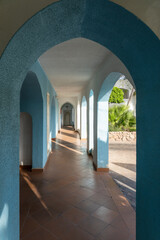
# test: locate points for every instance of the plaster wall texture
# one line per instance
(46, 87)
(139, 50)
(13, 14)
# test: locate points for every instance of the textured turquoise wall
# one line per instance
(33, 100)
(137, 47)
(46, 87)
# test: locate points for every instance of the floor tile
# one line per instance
(105, 214)
(75, 215)
(29, 226)
(70, 201)
(93, 225)
(88, 206)
(40, 234)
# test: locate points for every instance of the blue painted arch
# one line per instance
(31, 101)
(137, 47)
(102, 118)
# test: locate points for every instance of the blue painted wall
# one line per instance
(139, 49)
(33, 99)
(46, 87)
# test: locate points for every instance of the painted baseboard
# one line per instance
(100, 169)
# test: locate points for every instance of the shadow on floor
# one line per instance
(127, 186)
(128, 166)
(70, 146)
(70, 135)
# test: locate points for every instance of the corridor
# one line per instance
(69, 200)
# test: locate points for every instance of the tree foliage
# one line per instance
(121, 119)
(116, 96)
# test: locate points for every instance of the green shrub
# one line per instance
(121, 119)
(116, 96)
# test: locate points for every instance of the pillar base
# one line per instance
(100, 169)
(26, 167)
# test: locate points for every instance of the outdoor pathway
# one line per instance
(122, 165)
(70, 201)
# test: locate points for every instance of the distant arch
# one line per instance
(67, 115)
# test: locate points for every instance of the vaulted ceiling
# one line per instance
(70, 65)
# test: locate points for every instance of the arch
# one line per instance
(84, 118)
(102, 119)
(91, 121)
(68, 104)
(128, 38)
(67, 115)
(31, 101)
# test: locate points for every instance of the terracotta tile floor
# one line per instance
(70, 201)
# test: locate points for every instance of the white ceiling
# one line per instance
(70, 65)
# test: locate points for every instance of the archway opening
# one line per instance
(67, 115)
(31, 107)
(116, 144)
(31, 139)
